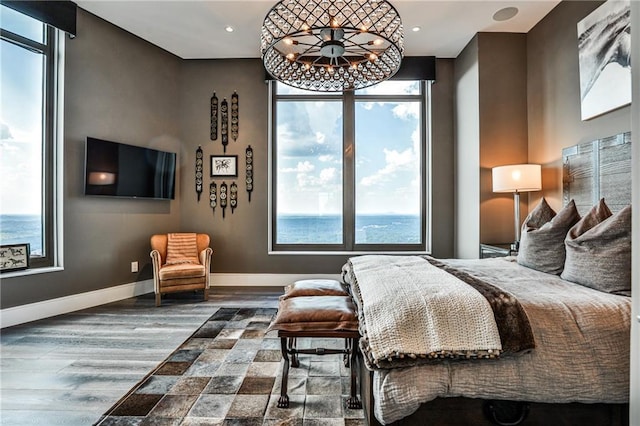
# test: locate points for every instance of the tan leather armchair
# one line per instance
(181, 275)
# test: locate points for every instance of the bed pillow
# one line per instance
(542, 240)
(600, 256)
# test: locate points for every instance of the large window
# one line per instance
(349, 169)
(27, 101)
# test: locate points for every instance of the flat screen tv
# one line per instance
(120, 170)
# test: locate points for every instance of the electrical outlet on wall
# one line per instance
(134, 266)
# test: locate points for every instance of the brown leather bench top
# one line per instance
(315, 287)
(308, 315)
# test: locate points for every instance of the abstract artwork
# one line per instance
(224, 166)
(604, 54)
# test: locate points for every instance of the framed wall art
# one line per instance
(224, 166)
(604, 56)
(14, 257)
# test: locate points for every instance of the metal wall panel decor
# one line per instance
(199, 166)
(234, 116)
(213, 197)
(224, 124)
(233, 196)
(214, 117)
(249, 170)
(223, 197)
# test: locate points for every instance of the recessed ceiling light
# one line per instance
(228, 29)
(415, 29)
(505, 14)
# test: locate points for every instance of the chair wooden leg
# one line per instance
(206, 294)
(158, 295)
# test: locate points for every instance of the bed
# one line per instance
(571, 366)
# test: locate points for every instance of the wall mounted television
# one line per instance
(121, 170)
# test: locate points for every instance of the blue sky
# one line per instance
(387, 157)
(20, 119)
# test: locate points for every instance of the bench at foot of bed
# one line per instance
(317, 317)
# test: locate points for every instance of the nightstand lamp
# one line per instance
(517, 178)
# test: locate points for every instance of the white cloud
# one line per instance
(327, 158)
(328, 175)
(394, 161)
(407, 110)
(320, 137)
(301, 167)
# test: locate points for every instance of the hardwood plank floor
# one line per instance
(70, 369)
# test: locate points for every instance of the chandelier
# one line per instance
(332, 45)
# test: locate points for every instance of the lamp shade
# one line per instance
(517, 178)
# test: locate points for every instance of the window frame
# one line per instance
(349, 100)
(50, 49)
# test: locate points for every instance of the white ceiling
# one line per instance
(196, 29)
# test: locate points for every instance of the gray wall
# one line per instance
(491, 130)
(117, 87)
(467, 152)
(442, 160)
(240, 240)
(553, 96)
(503, 127)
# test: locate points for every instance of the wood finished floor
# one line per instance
(70, 369)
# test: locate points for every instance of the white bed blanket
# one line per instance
(413, 308)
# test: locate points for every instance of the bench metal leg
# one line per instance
(353, 402)
(295, 362)
(283, 402)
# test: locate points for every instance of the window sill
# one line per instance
(34, 271)
(342, 253)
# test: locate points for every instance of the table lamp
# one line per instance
(517, 178)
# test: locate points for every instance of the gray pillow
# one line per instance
(600, 256)
(543, 234)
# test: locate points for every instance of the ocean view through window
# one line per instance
(349, 169)
(27, 102)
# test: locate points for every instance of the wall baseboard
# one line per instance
(62, 305)
(262, 280)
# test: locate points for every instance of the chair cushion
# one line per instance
(181, 270)
(315, 287)
(182, 248)
(316, 313)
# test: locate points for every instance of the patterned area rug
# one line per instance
(228, 373)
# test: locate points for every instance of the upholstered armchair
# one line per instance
(181, 262)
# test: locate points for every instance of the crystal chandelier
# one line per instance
(332, 45)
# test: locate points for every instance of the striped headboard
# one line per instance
(598, 169)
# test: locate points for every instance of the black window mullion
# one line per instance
(349, 100)
(349, 170)
(48, 152)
